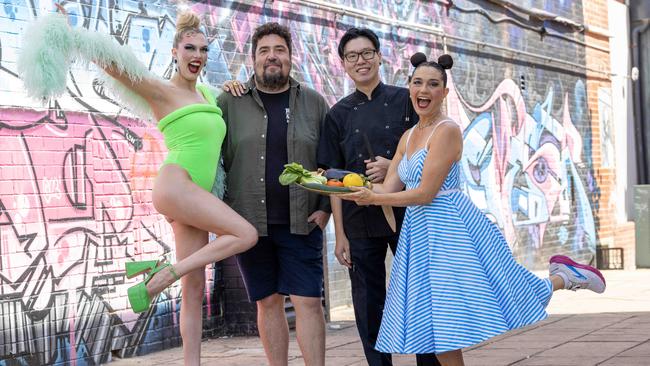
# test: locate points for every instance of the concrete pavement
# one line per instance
(584, 329)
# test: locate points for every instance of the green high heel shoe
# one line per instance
(135, 268)
(139, 297)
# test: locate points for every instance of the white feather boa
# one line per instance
(49, 47)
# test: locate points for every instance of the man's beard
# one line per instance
(272, 81)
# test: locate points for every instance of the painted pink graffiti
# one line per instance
(68, 200)
(544, 149)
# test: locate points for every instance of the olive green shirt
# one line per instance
(244, 150)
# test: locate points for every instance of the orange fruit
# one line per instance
(334, 183)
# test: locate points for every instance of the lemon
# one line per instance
(352, 180)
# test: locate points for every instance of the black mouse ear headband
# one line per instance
(445, 61)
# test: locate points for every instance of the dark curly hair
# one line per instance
(268, 29)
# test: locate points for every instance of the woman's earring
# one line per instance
(176, 65)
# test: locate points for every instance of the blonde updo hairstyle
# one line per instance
(187, 22)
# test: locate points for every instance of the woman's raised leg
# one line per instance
(178, 198)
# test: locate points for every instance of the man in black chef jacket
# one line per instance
(371, 120)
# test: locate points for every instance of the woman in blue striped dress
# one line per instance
(454, 282)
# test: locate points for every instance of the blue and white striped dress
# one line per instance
(454, 282)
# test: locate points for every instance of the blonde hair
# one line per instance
(187, 22)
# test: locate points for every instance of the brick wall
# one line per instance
(611, 233)
(76, 175)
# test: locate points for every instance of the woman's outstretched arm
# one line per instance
(49, 47)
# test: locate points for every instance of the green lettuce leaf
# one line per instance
(288, 177)
(313, 179)
(295, 173)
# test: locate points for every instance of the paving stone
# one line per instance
(588, 349)
(494, 357)
(641, 350)
(627, 361)
(560, 361)
(618, 334)
(238, 361)
(586, 322)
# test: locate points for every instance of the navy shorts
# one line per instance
(283, 263)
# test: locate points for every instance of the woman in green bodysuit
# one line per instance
(193, 129)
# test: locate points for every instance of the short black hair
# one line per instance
(353, 33)
(268, 29)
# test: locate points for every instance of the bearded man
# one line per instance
(277, 120)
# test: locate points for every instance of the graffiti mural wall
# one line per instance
(76, 173)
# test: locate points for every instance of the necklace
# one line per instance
(422, 126)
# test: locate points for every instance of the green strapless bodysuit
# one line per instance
(193, 136)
